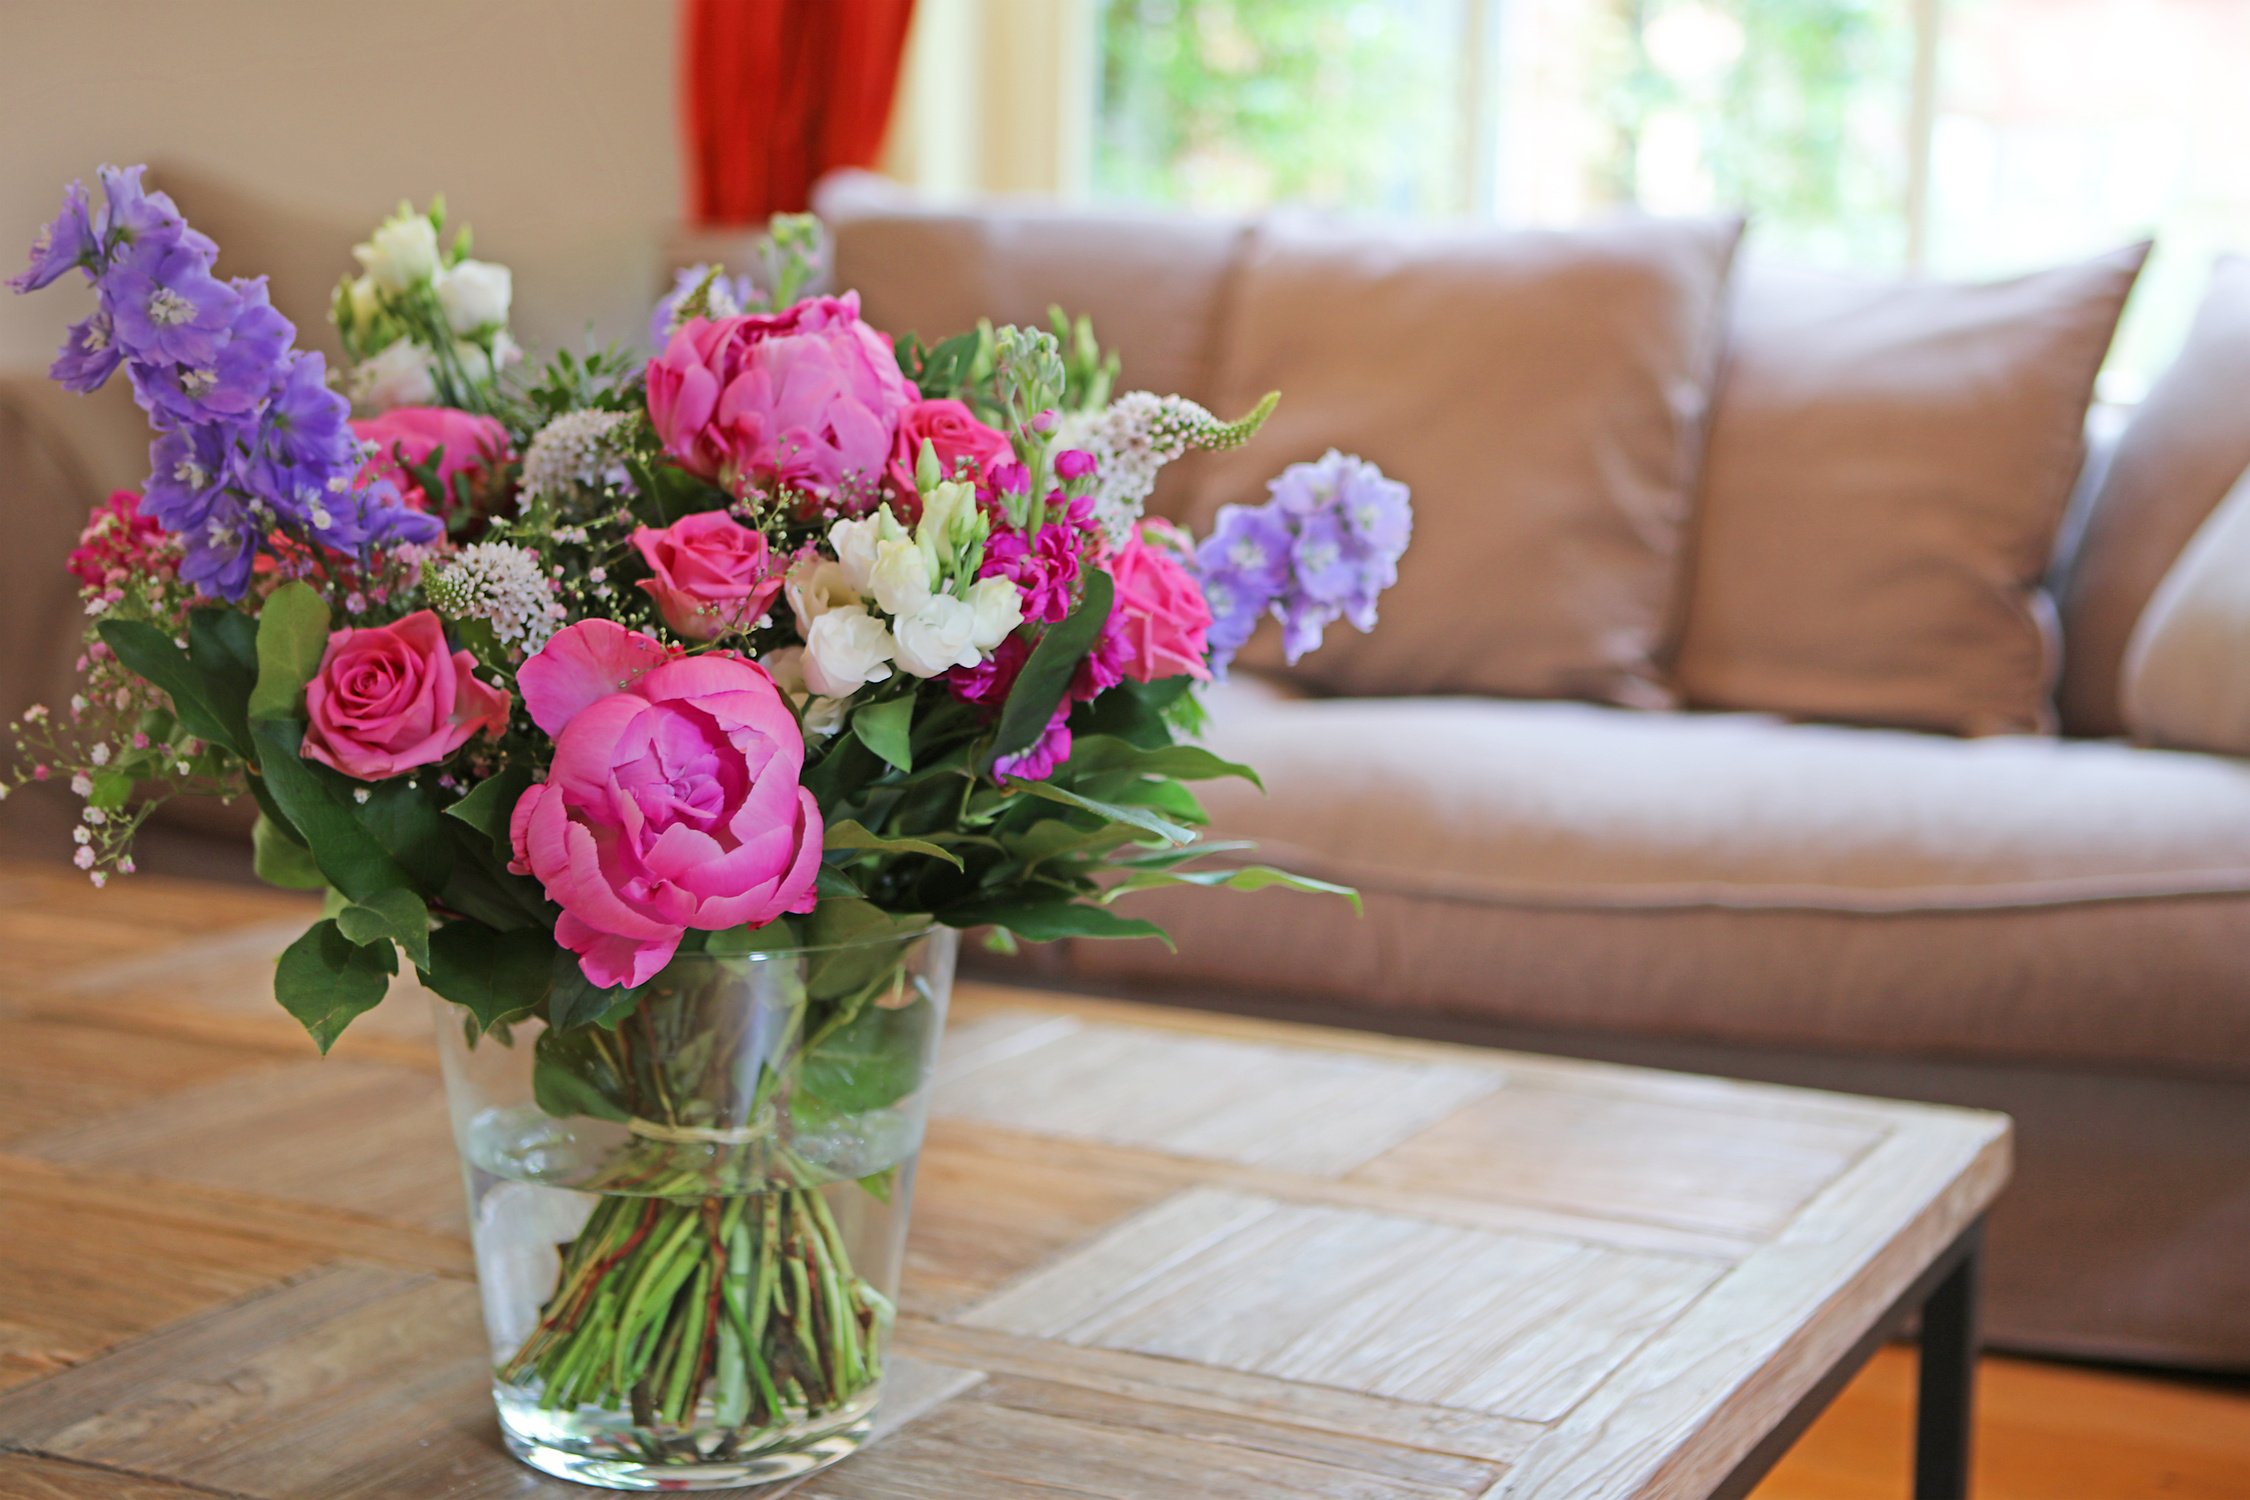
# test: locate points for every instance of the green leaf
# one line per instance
(1047, 671)
(1185, 762)
(1115, 812)
(1041, 919)
(887, 729)
(498, 976)
(112, 789)
(849, 834)
(575, 1001)
(292, 634)
(491, 803)
(223, 645)
(736, 942)
(352, 858)
(570, 1076)
(325, 979)
(872, 1061)
(393, 915)
(857, 945)
(280, 860)
(149, 653)
(1239, 878)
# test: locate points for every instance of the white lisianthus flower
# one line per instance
(399, 376)
(366, 301)
(814, 587)
(997, 606)
(900, 578)
(846, 649)
(939, 636)
(474, 294)
(949, 522)
(402, 252)
(853, 542)
(480, 366)
(820, 717)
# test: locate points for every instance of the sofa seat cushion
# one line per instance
(1733, 876)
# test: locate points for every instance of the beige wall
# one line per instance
(548, 124)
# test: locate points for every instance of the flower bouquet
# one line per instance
(668, 715)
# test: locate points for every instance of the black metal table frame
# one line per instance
(1945, 1295)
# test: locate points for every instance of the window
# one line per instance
(1961, 137)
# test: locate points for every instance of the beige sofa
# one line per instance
(2056, 927)
(2051, 926)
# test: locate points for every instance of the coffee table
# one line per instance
(1155, 1253)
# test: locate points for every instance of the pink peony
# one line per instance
(410, 434)
(1160, 610)
(808, 399)
(673, 801)
(710, 574)
(960, 440)
(390, 697)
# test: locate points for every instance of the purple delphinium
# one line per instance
(729, 295)
(250, 439)
(1322, 549)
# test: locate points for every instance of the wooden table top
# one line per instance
(1154, 1253)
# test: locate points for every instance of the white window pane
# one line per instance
(1231, 104)
(2067, 127)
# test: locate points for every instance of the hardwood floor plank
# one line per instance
(2044, 1432)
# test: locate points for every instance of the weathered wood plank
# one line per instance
(365, 1137)
(1287, 1108)
(1022, 1440)
(23, 1477)
(1142, 1377)
(1674, 1421)
(1509, 1325)
(1697, 1166)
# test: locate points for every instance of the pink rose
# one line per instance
(710, 574)
(406, 435)
(673, 801)
(390, 697)
(957, 436)
(1160, 611)
(808, 399)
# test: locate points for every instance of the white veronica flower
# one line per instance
(577, 450)
(501, 584)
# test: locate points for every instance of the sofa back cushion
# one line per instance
(1543, 393)
(2182, 685)
(2187, 443)
(1889, 463)
(1150, 282)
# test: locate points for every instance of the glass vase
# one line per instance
(689, 1225)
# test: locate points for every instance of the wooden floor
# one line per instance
(2047, 1432)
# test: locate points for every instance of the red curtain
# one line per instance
(776, 92)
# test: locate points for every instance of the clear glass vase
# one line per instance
(689, 1227)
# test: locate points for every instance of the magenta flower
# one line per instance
(391, 697)
(807, 399)
(708, 574)
(673, 801)
(962, 443)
